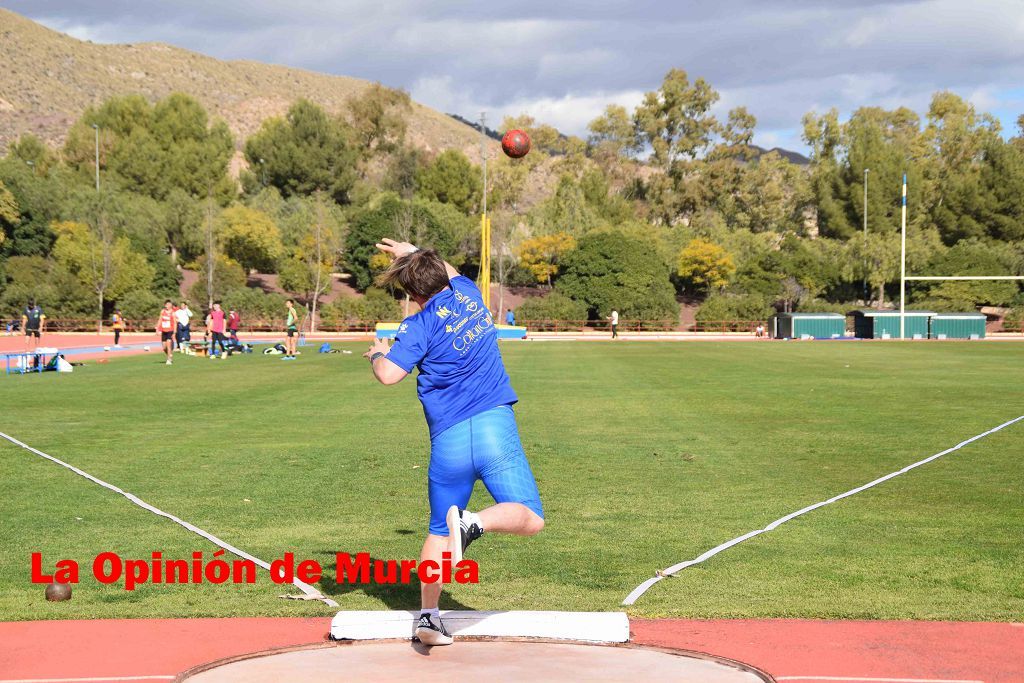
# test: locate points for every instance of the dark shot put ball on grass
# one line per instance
(56, 592)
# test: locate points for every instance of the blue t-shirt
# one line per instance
(454, 344)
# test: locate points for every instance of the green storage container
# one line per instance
(957, 326)
(869, 323)
(817, 325)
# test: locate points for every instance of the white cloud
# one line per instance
(563, 62)
(983, 99)
(769, 139)
(569, 113)
(82, 32)
(864, 31)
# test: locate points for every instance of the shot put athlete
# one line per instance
(467, 399)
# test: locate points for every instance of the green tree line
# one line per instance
(661, 204)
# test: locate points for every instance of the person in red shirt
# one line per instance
(165, 326)
(234, 320)
(215, 324)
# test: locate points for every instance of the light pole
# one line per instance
(263, 172)
(865, 236)
(96, 130)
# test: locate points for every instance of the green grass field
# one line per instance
(646, 454)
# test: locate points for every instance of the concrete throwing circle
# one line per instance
(475, 661)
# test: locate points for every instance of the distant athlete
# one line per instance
(33, 321)
(183, 333)
(165, 326)
(117, 321)
(291, 329)
(234, 321)
(467, 399)
(215, 326)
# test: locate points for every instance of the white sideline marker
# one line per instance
(597, 627)
(674, 569)
(309, 592)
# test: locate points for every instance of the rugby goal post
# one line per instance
(903, 264)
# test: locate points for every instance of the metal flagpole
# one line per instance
(903, 255)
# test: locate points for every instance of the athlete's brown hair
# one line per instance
(421, 274)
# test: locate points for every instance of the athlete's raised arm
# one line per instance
(400, 249)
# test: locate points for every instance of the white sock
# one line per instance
(474, 518)
(434, 612)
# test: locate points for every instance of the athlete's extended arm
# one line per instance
(399, 249)
(384, 370)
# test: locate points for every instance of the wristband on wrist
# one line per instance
(379, 354)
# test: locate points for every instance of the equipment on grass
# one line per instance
(275, 350)
(40, 360)
(58, 592)
(234, 346)
(515, 143)
(326, 348)
(302, 326)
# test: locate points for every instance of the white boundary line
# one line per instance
(860, 679)
(964, 277)
(664, 573)
(311, 592)
(86, 680)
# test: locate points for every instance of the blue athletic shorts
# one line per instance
(485, 446)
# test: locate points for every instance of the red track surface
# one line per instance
(10, 344)
(926, 650)
(853, 651)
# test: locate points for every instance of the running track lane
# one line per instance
(796, 649)
(789, 649)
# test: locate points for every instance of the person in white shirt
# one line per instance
(183, 334)
(615, 324)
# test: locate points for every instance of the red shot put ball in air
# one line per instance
(515, 143)
(56, 592)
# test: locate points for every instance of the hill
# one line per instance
(49, 78)
(790, 156)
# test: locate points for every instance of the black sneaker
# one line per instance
(463, 529)
(430, 633)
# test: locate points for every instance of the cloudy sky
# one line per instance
(562, 61)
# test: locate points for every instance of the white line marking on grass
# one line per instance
(858, 679)
(664, 573)
(308, 590)
(85, 680)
